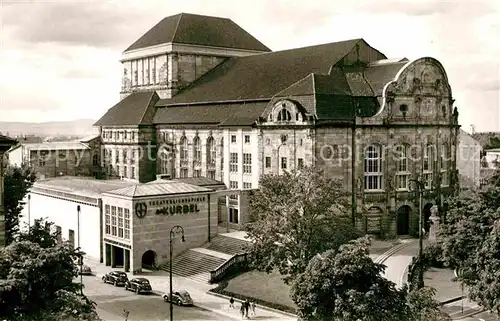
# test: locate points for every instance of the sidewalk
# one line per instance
(160, 283)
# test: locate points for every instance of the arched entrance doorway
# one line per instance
(426, 215)
(148, 259)
(403, 220)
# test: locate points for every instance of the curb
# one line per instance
(466, 314)
(452, 300)
(257, 305)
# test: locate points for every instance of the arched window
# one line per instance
(402, 178)
(373, 168)
(211, 150)
(429, 160)
(284, 115)
(184, 149)
(197, 149)
(95, 160)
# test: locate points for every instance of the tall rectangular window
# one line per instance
(233, 185)
(300, 163)
(373, 168)
(247, 163)
(107, 213)
(247, 139)
(59, 234)
(211, 174)
(114, 225)
(233, 139)
(428, 165)
(247, 185)
(444, 165)
(402, 168)
(197, 173)
(126, 218)
(120, 222)
(268, 162)
(283, 162)
(233, 215)
(233, 162)
(132, 172)
(184, 173)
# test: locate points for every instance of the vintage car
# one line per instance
(179, 297)
(85, 270)
(138, 285)
(116, 278)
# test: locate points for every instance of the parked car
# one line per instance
(138, 285)
(86, 270)
(179, 298)
(116, 278)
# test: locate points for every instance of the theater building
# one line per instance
(228, 108)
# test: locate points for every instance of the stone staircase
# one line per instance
(227, 245)
(197, 263)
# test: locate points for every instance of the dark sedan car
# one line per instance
(179, 297)
(139, 285)
(116, 278)
(85, 270)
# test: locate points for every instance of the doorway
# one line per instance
(403, 220)
(148, 259)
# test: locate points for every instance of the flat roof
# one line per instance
(86, 186)
(161, 188)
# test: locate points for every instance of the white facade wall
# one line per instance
(63, 213)
(16, 156)
(468, 161)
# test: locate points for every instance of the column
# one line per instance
(113, 259)
(126, 260)
(107, 255)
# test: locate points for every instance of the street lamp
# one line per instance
(79, 249)
(420, 188)
(29, 214)
(174, 230)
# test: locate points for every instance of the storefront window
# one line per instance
(120, 222)
(113, 221)
(127, 223)
(108, 219)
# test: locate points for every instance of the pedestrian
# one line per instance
(242, 310)
(253, 307)
(231, 302)
(247, 306)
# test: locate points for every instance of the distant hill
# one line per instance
(80, 127)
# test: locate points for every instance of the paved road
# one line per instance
(111, 301)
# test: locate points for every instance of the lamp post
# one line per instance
(174, 230)
(29, 214)
(79, 249)
(420, 188)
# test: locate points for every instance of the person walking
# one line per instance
(247, 306)
(252, 305)
(242, 310)
(231, 302)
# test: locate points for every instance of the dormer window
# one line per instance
(284, 115)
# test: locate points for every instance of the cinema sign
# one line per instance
(178, 206)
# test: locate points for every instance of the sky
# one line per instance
(59, 60)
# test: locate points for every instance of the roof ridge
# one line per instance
(177, 27)
(294, 84)
(147, 107)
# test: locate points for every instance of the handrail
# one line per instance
(221, 270)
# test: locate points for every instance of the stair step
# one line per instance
(227, 245)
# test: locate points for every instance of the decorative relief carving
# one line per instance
(163, 74)
(391, 133)
(359, 132)
(419, 134)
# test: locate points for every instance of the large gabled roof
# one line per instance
(193, 29)
(135, 109)
(263, 75)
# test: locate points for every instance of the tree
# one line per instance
(470, 243)
(17, 182)
(295, 216)
(347, 285)
(36, 281)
